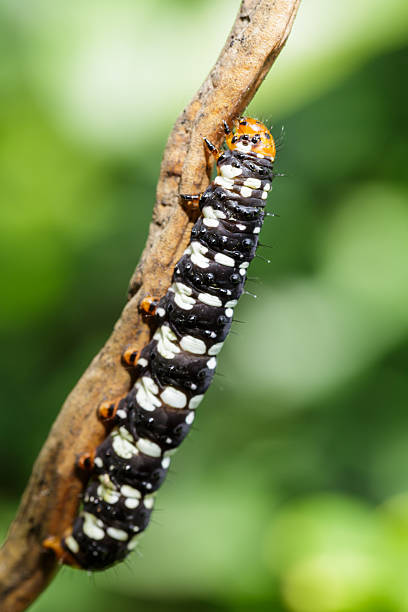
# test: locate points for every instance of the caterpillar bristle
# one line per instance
(268, 261)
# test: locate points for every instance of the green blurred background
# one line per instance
(291, 495)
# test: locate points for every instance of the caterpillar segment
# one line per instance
(176, 368)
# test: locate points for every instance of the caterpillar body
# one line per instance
(176, 368)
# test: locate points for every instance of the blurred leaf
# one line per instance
(206, 542)
(366, 250)
(306, 339)
(328, 41)
(329, 553)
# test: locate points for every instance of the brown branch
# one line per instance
(50, 501)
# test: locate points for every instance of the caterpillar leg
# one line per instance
(63, 556)
(226, 128)
(212, 148)
(108, 410)
(131, 356)
(85, 461)
(191, 202)
(149, 305)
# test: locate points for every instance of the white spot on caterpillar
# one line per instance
(215, 349)
(260, 155)
(193, 386)
(212, 363)
(142, 361)
(242, 146)
(245, 264)
(122, 443)
(225, 260)
(121, 414)
(117, 534)
(211, 222)
(148, 501)
(148, 447)
(106, 481)
(108, 495)
(72, 544)
(241, 227)
(166, 345)
(229, 171)
(129, 491)
(98, 462)
(160, 313)
(196, 250)
(231, 304)
(253, 182)
(193, 345)
(146, 395)
(211, 213)
(226, 183)
(183, 297)
(133, 543)
(92, 527)
(107, 491)
(264, 195)
(173, 397)
(210, 300)
(257, 230)
(246, 192)
(229, 312)
(267, 186)
(190, 418)
(165, 462)
(195, 401)
(242, 271)
(212, 335)
(131, 503)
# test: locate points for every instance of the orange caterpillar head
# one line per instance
(251, 136)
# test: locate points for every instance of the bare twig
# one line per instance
(50, 501)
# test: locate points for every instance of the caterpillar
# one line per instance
(175, 369)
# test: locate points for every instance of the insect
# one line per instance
(175, 369)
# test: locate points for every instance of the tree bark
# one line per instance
(51, 499)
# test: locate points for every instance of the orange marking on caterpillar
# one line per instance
(85, 461)
(191, 202)
(131, 356)
(107, 410)
(54, 543)
(149, 305)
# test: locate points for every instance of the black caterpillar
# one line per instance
(176, 368)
